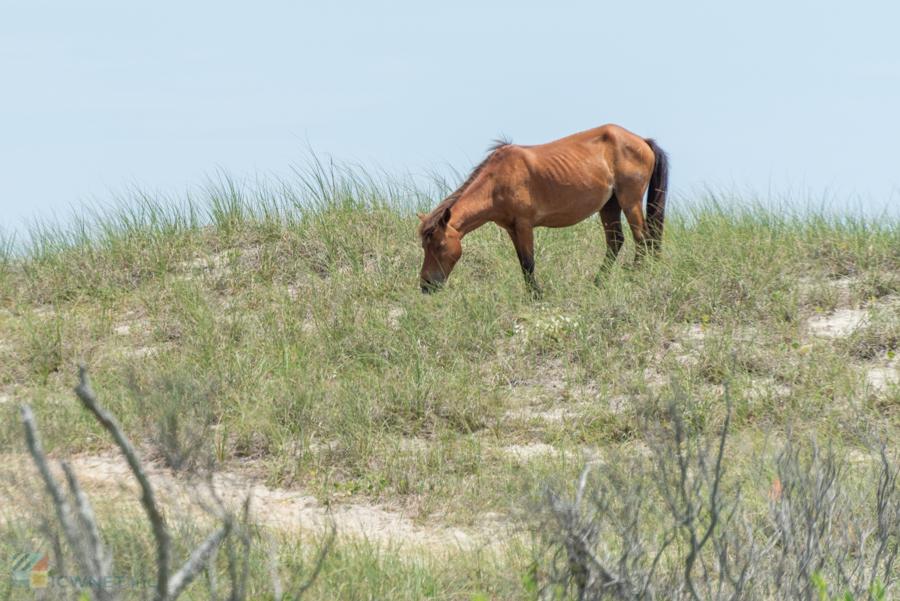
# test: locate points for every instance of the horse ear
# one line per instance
(445, 218)
(421, 216)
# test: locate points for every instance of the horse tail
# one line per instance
(656, 195)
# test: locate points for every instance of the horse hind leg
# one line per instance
(630, 200)
(611, 218)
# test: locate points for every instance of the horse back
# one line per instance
(563, 182)
(606, 153)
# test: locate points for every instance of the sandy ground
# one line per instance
(838, 324)
(107, 480)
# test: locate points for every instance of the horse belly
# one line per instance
(567, 186)
(566, 212)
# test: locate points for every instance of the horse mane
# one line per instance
(431, 222)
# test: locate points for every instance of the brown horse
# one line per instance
(559, 184)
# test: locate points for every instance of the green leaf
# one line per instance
(878, 591)
(819, 583)
(529, 580)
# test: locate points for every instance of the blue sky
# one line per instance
(783, 96)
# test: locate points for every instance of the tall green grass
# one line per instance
(280, 321)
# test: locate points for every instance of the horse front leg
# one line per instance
(522, 237)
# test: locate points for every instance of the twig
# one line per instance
(273, 570)
(100, 562)
(148, 498)
(319, 563)
(196, 562)
(84, 537)
(60, 502)
(241, 591)
(211, 574)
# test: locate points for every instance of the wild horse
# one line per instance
(559, 184)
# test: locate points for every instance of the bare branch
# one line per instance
(81, 530)
(60, 501)
(319, 563)
(581, 484)
(211, 574)
(196, 563)
(148, 498)
(100, 563)
(278, 593)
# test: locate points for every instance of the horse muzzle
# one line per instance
(429, 286)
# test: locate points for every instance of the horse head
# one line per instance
(443, 248)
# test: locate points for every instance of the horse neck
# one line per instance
(473, 209)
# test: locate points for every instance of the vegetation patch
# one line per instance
(276, 331)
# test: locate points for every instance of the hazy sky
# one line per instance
(96, 96)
